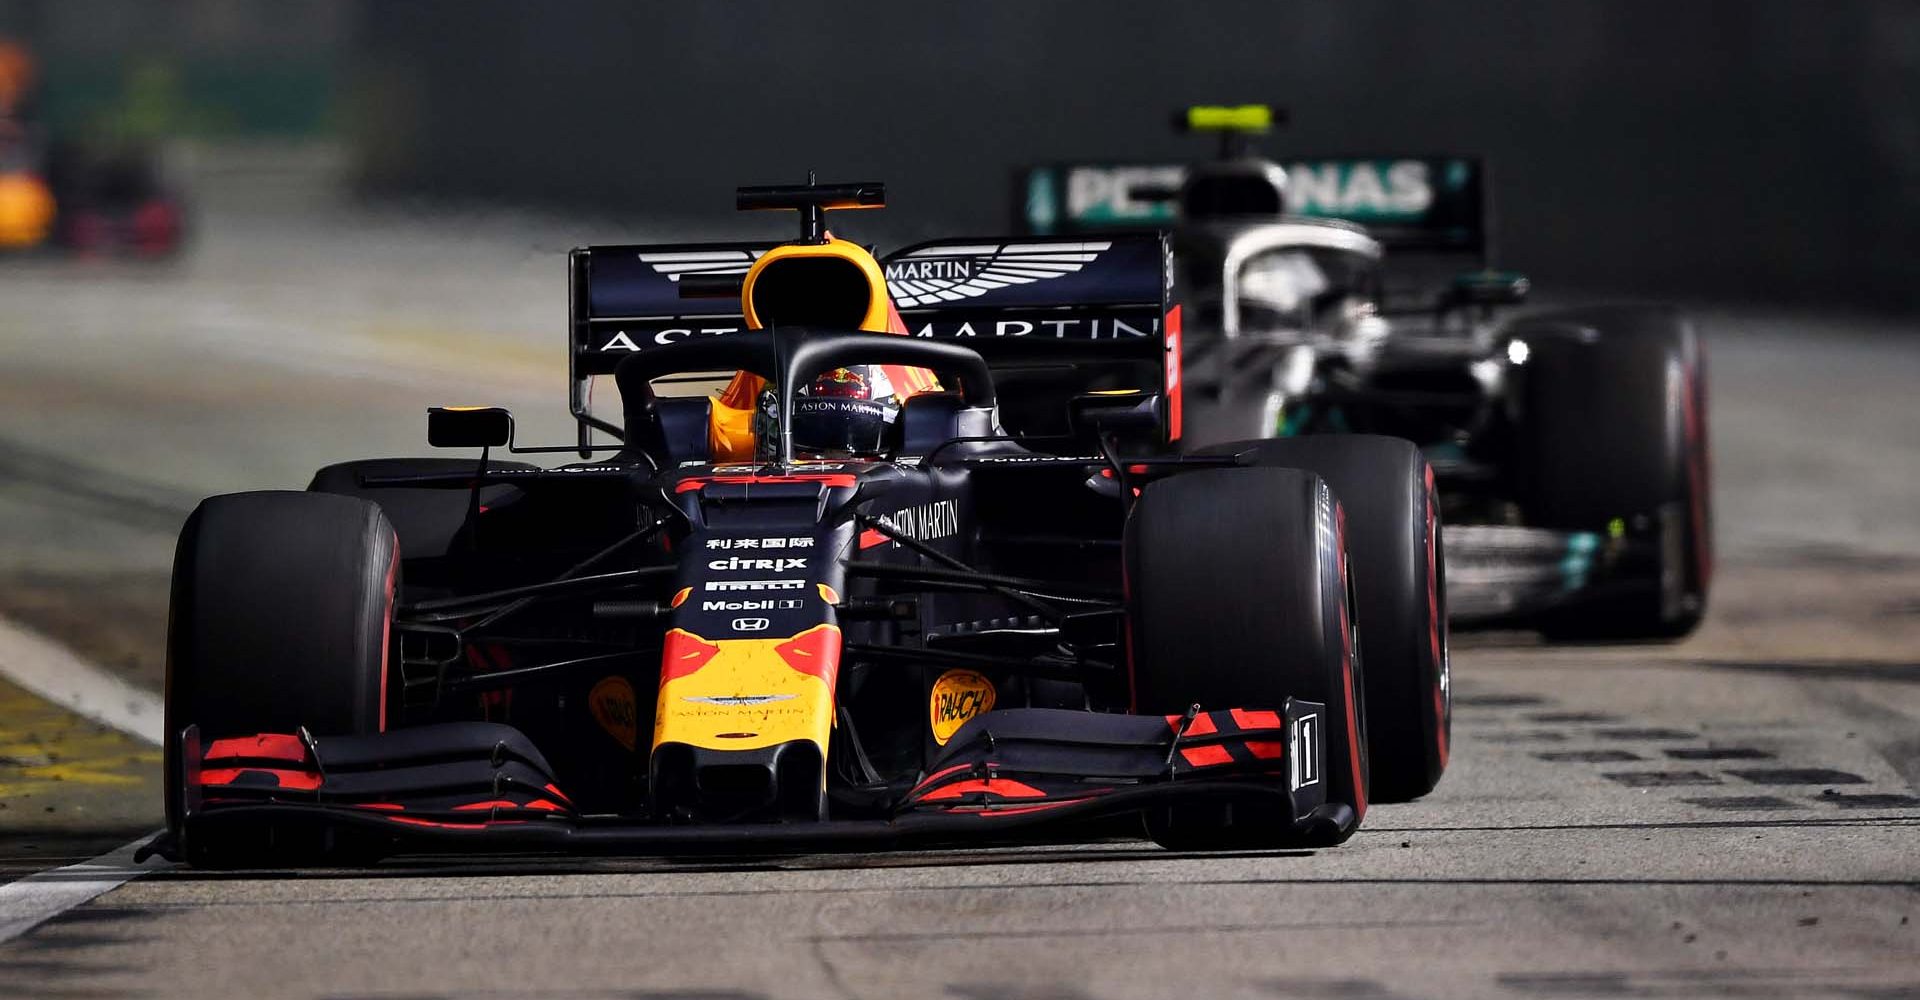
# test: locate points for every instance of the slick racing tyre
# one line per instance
(427, 520)
(282, 608)
(1613, 432)
(1399, 581)
(1237, 598)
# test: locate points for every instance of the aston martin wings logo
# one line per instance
(953, 273)
(738, 699)
(675, 263)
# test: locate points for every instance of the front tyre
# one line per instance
(1393, 526)
(281, 612)
(1237, 598)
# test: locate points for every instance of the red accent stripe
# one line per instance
(1005, 788)
(872, 538)
(815, 651)
(301, 781)
(1266, 749)
(683, 653)
(1346, 666)
(540, 804)
(269, 746)
(829, 478)
(1173, 374)
(386, 635)
(1208, 756)
(1251, 719)
(1202, 725)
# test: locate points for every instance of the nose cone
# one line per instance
(749, 667)
(742, 725)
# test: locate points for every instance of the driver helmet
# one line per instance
(843, 413)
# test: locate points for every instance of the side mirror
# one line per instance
(1122, 412)
(1489, 288)
(469, 427)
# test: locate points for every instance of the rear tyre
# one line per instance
(428, 521)
(1394, 538)
(281, 612)
(1237, 598)
(1614, 431)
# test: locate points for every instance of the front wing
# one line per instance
(470, 787)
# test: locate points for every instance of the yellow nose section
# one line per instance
(744, 694)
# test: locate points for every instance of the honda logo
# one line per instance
(750, 624)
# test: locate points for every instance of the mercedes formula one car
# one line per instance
(885, 590)
(1569, 446)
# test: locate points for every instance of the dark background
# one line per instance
(1745, 148)
(1766, 149)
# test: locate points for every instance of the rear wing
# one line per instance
(1053, 316)
(1069, 314)
(1435, 203)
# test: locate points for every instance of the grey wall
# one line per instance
(1765, 148)
(203, 68)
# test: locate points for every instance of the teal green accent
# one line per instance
(1579, 560)
(1292, 424)
(1043, 209)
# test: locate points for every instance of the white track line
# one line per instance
(53, 672)
(29, 902)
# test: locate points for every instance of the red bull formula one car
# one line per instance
(1001, 604)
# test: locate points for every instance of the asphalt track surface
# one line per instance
(1737, 815)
